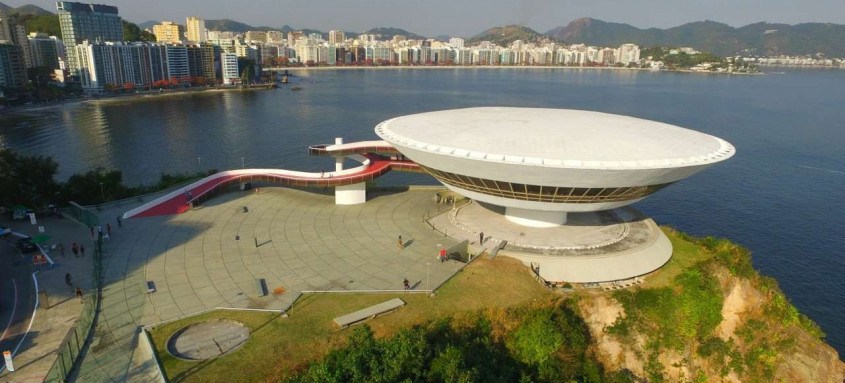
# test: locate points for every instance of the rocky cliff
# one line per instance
(717, 320)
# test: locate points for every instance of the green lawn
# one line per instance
(684, 255)
(279, 345)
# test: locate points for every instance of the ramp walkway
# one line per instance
(376, 158)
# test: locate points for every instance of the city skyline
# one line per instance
(438, 17)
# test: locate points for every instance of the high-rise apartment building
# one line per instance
(177, 63)
(456, 42)
(12, 68)
(14, 32)
(201, 62)
(168, 32)
(45, 52)
(229, 68)
(92, 22)
(336, 36)
(293, 37)
(275, 36)
(256, 36)
(195, 30)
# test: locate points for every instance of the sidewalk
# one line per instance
(56, 316)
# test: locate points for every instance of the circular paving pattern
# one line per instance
(207, 340)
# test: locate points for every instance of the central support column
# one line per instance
(535, 218)
(347, 194)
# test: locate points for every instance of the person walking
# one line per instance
(75, 249)
(407, 284)
(61, 250)
(442, 255)
(119, 222)
(79, 294)
(481, 238)
(108, 229)
(81, 250)
(400, 245)
(69, 280)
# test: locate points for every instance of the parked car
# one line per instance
(26, 246)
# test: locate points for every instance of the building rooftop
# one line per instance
(554, 138)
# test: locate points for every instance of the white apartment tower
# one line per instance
(456, 42)
(195, 29)
(229, 68)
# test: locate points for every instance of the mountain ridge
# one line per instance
(761, 38)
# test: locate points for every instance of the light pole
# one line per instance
(102, 192)
(427, 274)
(199, 162)
(242, 163)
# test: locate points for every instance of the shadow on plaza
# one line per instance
(10, 343)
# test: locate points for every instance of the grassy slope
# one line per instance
(279, 345)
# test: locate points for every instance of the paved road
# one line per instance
(17, 296)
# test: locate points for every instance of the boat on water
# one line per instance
(296, 88)
(284, 79)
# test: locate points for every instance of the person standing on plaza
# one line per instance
(79, 294)
(407, 284)
(75, 249)
(481, 238)
(442, 255)
(61, 250)
(69, 280)
(400, 245)
(108, 229)
(119, 222)
(81, 250)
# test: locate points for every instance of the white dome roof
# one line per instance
(554, 138)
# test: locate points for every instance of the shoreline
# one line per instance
(130, 97)
(519, 67)
(178, 92)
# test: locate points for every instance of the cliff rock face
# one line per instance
(752, 342)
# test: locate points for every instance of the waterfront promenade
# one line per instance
(37, 338)
(207, 258)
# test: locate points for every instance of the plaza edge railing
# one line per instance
(79, 336)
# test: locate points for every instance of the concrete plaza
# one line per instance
(212, 256)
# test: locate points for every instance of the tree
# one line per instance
(247, 68)
(48, 24)
(86, 188)
(131, 32)
(27, 180)
(129, 87)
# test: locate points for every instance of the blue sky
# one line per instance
(468, 17)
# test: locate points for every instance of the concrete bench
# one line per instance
(496, 249)
(369, 312)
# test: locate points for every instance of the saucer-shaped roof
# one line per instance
(554, 138)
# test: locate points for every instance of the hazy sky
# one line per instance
(468, 17)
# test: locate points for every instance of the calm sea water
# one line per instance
(781, 195)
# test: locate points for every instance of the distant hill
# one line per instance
(24, 10)
(388, 33)
(756, 39)
(232, 25)
(504, 36)
(29, 9)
